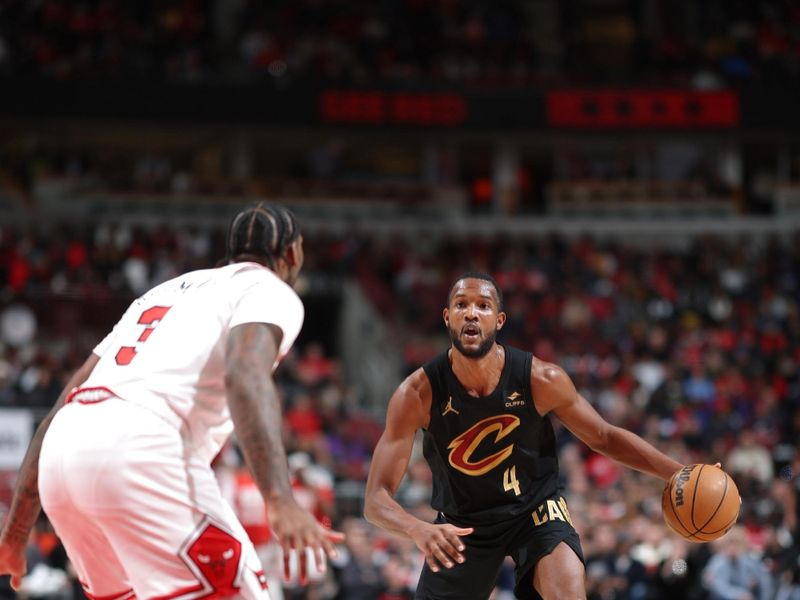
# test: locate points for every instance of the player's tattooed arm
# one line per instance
(25, 505)
(253, 401)
(255, 407)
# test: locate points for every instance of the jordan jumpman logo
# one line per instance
(449, 407)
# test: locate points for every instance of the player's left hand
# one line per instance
(296, 530)
(13, 562)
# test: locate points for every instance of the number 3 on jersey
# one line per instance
(510, 481)
(150, 318)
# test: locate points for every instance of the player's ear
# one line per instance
(294, 253)
(446, 316)
(501, 320)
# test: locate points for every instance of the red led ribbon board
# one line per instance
(365, 107)
(626, 109)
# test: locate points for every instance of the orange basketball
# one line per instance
(700, 503)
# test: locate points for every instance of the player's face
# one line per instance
(473, 318)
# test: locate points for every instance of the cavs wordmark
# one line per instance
(551, 511)
(463, 447)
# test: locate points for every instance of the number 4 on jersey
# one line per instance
(150, 318)
(510, 481)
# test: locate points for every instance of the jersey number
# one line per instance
(149, 318)
(510, 481)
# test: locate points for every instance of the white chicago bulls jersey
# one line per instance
(167, 352)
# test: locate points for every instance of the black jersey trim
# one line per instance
(529, 387)
(434, 370)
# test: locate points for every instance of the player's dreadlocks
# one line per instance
(261, 232)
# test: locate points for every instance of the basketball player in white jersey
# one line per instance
(121, 465)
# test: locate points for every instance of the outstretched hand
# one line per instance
(296, 530)
(441, 544)
(13, 562)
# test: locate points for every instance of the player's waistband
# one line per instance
(98, 394)
(90, 395)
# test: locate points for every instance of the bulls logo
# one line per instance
(463, 447)
(216, 564)
(214, 555)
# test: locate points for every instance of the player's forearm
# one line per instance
(382, 510)
(25, 505)
(255, 410)
(632, 451)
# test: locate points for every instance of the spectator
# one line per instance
(735, 572)
(750, 459)
(357, 572)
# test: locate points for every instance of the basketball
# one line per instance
(700, 503)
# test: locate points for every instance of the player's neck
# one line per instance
(479, 376)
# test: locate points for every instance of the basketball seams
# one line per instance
(725, 528)
(674, 512)
(694, 496)
(716, 510)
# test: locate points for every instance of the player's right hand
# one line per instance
(441, 544)
(296, 530)
(13, 562)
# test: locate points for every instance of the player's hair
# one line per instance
(477, 275)
(261, 232)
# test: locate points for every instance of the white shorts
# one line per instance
(138, 515)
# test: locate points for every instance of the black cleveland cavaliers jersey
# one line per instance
(493, 458)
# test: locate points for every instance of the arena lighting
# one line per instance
(377, 107)
(622, 109)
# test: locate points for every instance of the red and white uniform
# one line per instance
(124, 472)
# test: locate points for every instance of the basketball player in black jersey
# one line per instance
(483, 409)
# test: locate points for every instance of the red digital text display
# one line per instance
(367, 107)
(624, 109)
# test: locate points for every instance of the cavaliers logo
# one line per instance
(462, 447)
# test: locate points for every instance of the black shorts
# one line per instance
(525, 539)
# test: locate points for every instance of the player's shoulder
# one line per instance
(250, 271)
(177, 285)
(246, 275)
(412, 399)
(416, 385)
(549, 379)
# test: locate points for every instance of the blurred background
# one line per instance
(628, 170)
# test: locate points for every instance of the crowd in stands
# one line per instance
(695, 346)
(510, 42)
(326, 167)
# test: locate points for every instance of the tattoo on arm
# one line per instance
(255, 406)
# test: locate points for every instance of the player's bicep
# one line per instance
(584, 421)
(557, 393)
(250, 352)
(252, 345)
(404, 416)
